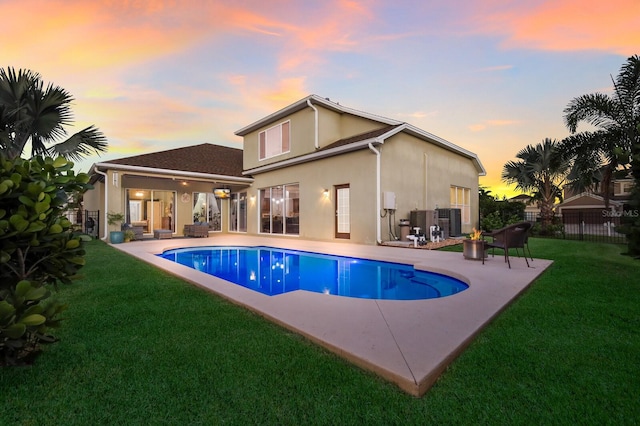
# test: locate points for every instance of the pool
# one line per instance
(274, 271)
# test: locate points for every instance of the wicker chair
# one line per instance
(512, 236)
(196, 230)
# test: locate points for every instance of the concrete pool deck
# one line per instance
(409, 343)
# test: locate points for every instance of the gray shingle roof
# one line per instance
(203, 158)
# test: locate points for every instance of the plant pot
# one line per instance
(116, 237)
(473, 249)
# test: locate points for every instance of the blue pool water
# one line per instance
(275, 271)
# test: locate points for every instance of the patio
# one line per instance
(409, 343)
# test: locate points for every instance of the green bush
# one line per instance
(38, 249)
(492, 221)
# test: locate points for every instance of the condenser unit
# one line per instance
(451, 221)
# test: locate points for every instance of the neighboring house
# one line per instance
(587, 213)
(592, 202)
(315, 170)
(531, 209)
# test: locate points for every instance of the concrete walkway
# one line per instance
(409, 343)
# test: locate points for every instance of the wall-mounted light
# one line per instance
(325, 193)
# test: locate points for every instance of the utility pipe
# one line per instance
(377, 153)
(106, 200)
(315, 113)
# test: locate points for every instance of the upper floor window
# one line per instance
(622, 187)
(275, 140)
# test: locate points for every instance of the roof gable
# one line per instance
(304, 103)
(389, 128)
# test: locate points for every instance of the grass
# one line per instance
(142, 347)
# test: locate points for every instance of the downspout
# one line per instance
(106, 198)
(377, 153)
(315, 113)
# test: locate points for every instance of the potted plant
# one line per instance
(129, 235)
(473, 247)
(115, 237)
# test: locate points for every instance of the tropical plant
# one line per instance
(38, 249)
(615, 146)
(129, 235)
(541, 171)
(115, 218)
(35, 114)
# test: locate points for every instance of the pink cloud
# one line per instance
(565, 25)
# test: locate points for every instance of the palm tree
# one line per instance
(616, 143)
(541, 171)
(599, 155)
(31, 112)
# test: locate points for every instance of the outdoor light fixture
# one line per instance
(325, 193)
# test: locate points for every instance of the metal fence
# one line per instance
(84, 220)
(594, 226)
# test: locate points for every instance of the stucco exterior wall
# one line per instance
(332, 127)
(421, 175)
(317, 213)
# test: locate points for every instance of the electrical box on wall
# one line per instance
(389, 200)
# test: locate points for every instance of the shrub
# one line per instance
(492, 221)
(38, 249)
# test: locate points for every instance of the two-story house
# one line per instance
(314, 169)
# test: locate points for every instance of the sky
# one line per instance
(491, 76)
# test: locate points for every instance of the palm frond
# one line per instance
(596, 109)
(86, 142)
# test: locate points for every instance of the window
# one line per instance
(622, 187)
(274, 141)
(279, 209)
(206, 209)
(238, 212)
(150, 209)
(461, 199)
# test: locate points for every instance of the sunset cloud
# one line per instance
(157, 74)
(566, 25)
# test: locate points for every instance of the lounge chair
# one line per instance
(510, 237)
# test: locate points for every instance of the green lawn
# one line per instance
(143, 347)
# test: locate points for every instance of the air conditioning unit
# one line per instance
(451, 221)
(423, 219)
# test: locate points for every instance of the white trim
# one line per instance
(402, 126)
(314, 156)
(301, 104)
(171, 173)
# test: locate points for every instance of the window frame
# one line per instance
(465, 208)
(279, 211)
(284, 143)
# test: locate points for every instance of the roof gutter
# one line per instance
(169, 172)
(315, 119)
(355, 146)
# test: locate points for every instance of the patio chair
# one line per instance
(510, 237)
